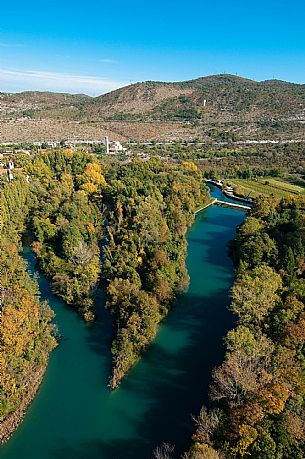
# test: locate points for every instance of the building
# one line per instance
(113, 147)
(116, 147)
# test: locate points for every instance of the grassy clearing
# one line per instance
(283, 185)
(256, 188)
(243, 188)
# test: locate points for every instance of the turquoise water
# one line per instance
(216, 192)
(76, 416)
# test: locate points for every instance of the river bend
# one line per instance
(76, 416)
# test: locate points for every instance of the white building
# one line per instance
(116, 147)
(113, 147)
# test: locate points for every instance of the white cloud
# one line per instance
(13, 80)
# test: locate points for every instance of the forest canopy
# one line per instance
(150, 207)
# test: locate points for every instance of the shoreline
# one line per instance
(237, 197)
(229, 194)
(12, 422)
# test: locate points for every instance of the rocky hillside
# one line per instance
(227, 98)
(223, 102)
(34, 103)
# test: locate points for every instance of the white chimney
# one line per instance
(106, 143)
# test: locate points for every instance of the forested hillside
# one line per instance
(227, 97)
(258, 393)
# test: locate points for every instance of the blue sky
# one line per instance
(95, 46)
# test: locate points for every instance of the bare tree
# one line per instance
(82, 254)
(164, 452)
(206, 424)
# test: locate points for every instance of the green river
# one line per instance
(76, 416)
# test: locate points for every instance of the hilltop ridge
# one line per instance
(223, 100)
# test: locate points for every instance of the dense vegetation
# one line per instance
(87, 221)
(26, 332)
(231, 159)
(258, 393)
(140, 213)
(151, 207)
(67, 223)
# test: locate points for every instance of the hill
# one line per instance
(225, 102)
(227, 98)
(35, 101)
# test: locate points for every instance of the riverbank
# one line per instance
(10, 424)
(268, 302)
(230, 194)
(237, 197)
(75, 415)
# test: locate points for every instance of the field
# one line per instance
(267, 186)
(283, 185)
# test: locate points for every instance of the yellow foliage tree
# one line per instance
(93, 174)
(189, 165)
(248, 436)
